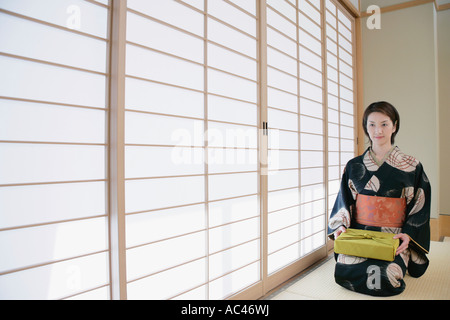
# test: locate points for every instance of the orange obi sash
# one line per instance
(380, 211)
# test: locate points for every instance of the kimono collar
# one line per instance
(379, 163)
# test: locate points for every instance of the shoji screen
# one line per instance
(296, 198)
(53, 184)
(162, 113)
(340, 71)
(191, 189)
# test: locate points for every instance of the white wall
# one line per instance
(443, 36)
(399, 66)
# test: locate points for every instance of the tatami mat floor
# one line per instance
(319, 284)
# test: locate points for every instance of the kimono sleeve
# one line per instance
(343, 207)
(417, 223)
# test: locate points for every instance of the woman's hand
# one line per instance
(404, 242)
(339, 231)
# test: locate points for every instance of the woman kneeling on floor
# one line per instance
(388, 191)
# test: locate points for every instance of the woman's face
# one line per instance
(380, 128)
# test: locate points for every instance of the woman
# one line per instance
(383, 190)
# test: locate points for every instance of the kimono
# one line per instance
(399, 176)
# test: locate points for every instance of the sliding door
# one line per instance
(191, 161)
(135, 159)
(53, 150)
(340, 95)
(296, 189)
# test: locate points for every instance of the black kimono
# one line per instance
(399, 176)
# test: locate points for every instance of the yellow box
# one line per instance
(367, 244)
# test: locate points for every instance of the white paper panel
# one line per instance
(281, 61)
(163, 161)
(281, 42)
(223, 186)
(198, 293)
(50, 202)
(283, 179)
(37, 41)
(333, 158)
(280, 23)
(171, 12)
(164, 38)
(148, 194)
(102, 293)
(165, 99)
(283, 238)
(283, 218)
(226, 211)
(283, 159)
(157, 225)
(347, 145)
(232, 15)
(145, 260)
(311, 226)
(38, 81)
(311, 125)
(283, 199)
(310, 26)
(230, 110)
(343, 30)
(232, 259)
(312, 193)
(280, 139)
(231, 135)
(73, 14)
(311, 108)
(347, 132)
(312, 176)
(234, 282)
(26, 163)
(311, 159)
(311, 142)
(310, 91)
(231, 86)
(284, 8)
(162, 130)
(156, 66)
(310, 42)
(333, 144)
(51, 243)
(233, 234)
(222, 160)
(333, 173)
(312, 243)
(283, 257)
(312, 209)
(231, 38)
(281, 80)
(282, 119)
(232, 62)
(57, 280)
(310, 11)
(310, 74)
(168, 283)
(282, 100)
(24, 121)
(249, 6)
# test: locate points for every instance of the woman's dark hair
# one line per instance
(387, 109)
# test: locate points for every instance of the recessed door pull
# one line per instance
(265, 128)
